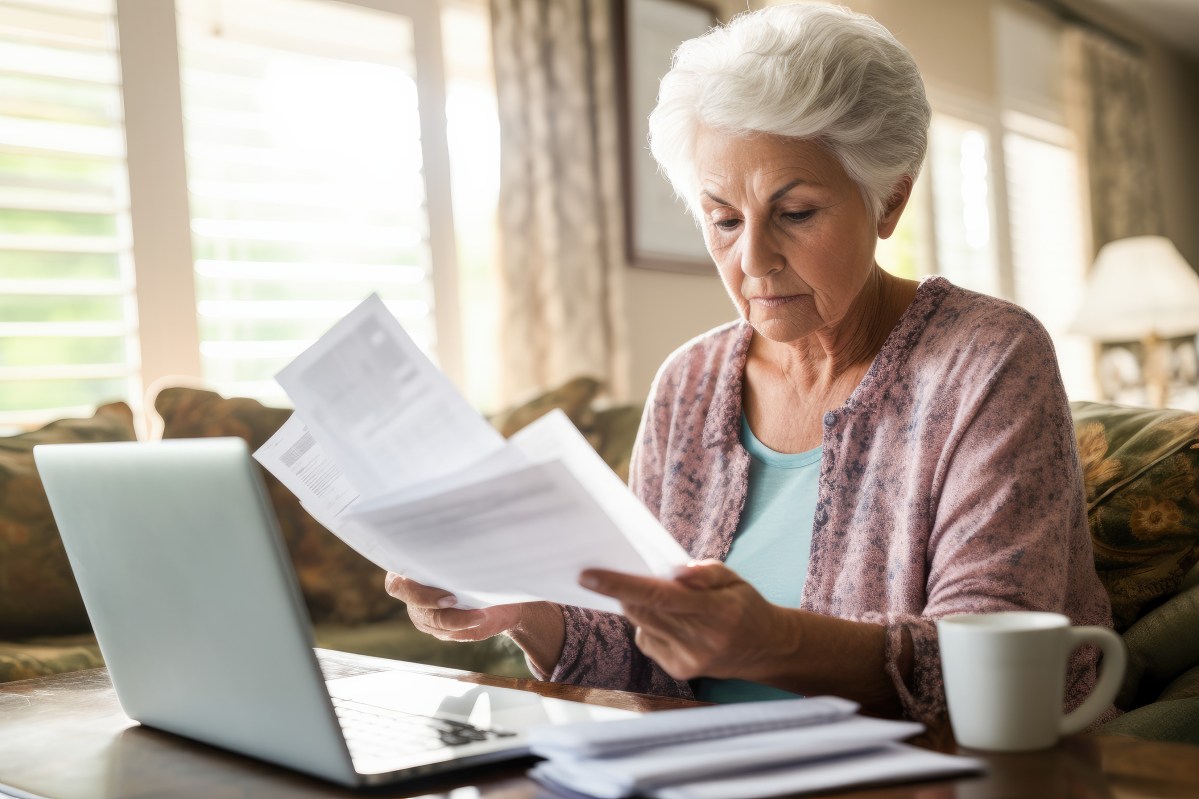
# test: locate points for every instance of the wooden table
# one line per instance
(65, 737)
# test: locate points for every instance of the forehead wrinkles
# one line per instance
(766, 185)
(730, 165)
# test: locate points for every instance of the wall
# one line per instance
(665, 309)
(951, 40)
(1174, 106)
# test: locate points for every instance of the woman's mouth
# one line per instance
(774, 301)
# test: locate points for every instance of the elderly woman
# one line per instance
(858, 454)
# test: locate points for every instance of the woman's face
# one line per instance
(788, 230)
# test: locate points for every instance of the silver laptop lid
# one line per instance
(192, 597)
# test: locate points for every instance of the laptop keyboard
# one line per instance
(374, 732)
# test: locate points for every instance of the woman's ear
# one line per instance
(894, 207)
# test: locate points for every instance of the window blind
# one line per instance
(1043, 183)
(304, 161)
(67, 320)
(962, 188)
(1044, 198)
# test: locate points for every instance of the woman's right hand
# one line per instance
(536, 627)
(432, 611)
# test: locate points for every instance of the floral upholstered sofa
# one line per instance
(1141, 469)
(43, 625)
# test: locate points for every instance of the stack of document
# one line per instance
(743, 751)
(386, 453)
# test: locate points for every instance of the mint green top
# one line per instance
(771, 547)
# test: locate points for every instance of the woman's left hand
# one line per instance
(706, 622)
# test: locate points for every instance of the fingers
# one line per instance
(633, 590)
(431, 610)
(415, 594)
(690, 625)
(649, 641)
(705, 574)
(677, 595)
(649, 619)
(450, 625)
(673, 659)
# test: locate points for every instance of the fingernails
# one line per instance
(447, 601)
(589, 581)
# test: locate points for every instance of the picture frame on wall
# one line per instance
(659, 231)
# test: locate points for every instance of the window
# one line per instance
(960, 170)
(283, 170)
(473, 131)
(906, 253)
(1037, 259)
(67, 321)
(302, 135)
(1048, 240)
(1003, 207)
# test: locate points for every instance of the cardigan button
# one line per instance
(821, 515)
(830, 418)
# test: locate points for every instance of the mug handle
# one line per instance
(1110, 675)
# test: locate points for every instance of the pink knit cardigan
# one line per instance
(950, 483)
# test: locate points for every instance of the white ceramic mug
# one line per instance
(1005, 678)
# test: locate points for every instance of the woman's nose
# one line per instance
(760, 254)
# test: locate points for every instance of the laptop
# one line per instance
(199, 617)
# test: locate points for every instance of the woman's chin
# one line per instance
(780, 330)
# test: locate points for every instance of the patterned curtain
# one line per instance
(561, 250)
(1109, 106)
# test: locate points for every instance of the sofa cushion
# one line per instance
(573, 398)
(613, 435)
(339, 585)
(38, 595)
(1141, 470)
(1186, 686)
(41, 657)
(1162, 649)
(1175, 720)
(612, 431)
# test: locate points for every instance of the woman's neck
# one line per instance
(820, 372)
(846, 349)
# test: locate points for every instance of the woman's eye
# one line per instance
(726, 224)
(798, 216)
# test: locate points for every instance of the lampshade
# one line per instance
(1139, 287)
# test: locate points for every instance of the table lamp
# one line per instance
(1141, 289)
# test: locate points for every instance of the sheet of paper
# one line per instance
(516, 537)
(640, 773)
(554, 437)
(380, 409)
(296, 460)
(505, 531)
(797, 771)
(497, 463)
(891, 763)
(384, 452)
(613, 739)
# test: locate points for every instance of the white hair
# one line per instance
(804, 71)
